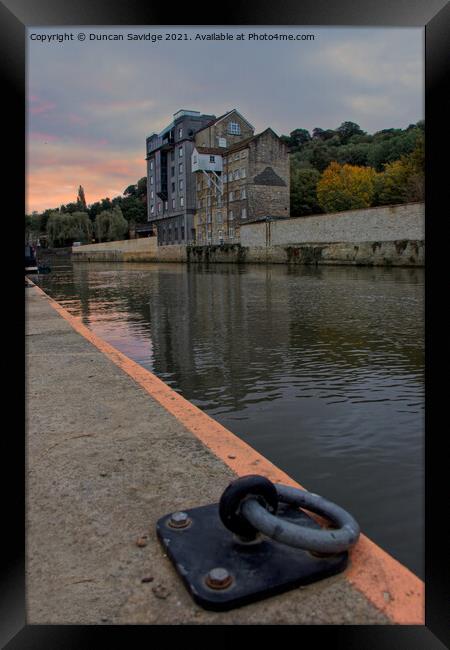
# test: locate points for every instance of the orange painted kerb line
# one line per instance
(386, 583)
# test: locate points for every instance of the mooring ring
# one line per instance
(319, 540)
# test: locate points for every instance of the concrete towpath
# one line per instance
(111, 449)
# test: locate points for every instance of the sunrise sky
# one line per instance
(91, 104)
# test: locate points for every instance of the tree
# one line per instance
(403, 180)
(142, 188)
(63, 228)
(118, 226)
(130, 190)
(390, 145)
(323, 135)
(346, 187)
(303, 191)
(32, 227)
(81, 199)
(348, 130)
(297, 139)
(110, 225)
(70, 207)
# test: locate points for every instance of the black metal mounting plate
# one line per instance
(258, 570)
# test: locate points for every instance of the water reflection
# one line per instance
(319, 368)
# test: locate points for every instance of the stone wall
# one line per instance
(381, 224)
(385, 236)
(129, 250)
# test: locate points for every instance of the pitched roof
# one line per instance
(221, 117)
(242, 144)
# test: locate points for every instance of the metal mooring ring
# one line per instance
(332, 541)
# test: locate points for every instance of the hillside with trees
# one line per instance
(345, 168)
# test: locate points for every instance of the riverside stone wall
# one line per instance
(382, 224)
(385, 236)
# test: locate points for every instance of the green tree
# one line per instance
(348, 130)
(110, 225)
(323, 135)
(303, 191)
(63, 228)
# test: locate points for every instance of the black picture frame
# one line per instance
(433, 15)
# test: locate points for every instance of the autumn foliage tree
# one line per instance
(403, 180)
(346, 187)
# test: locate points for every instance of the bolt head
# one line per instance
(179, 520)
(219, 578)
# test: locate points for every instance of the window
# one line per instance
(231, 196)
(152, 194)
(182, 233)
(212, 159)
(166, 205)
(159, 208)
(180, 184)
(151, 165)
(231, 232)
(173, 204)
(222, 142)
(236, 156)
(194, 158)
(152, 209)
(224, 178)
(172, 171)
(243, 172)
(180, 133)
(244, 213)
(151, 180)
(243, 154)
(180, 152)
(180, 168)
(236, 174)
(173, 188)
(234, 128)
(243, 193)
(219, 217)
(230, 215)
(181, 201)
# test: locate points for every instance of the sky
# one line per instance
(92, 103)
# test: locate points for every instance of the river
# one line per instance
(321, 369)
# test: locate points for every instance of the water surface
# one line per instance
(321, 369)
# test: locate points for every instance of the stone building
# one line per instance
(230, 176)
(241, 177)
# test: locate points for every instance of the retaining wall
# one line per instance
(386, 236)
(382, 224)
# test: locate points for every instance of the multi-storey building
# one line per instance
(170, 182)
(234, 175)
